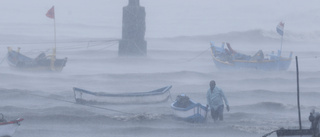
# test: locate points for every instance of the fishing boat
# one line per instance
(188, 110)
(83, 96)
(314, 118)
(42, 62)
(7, 128)
(229, 59)
(313, 131)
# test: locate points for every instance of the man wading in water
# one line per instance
(215, 99)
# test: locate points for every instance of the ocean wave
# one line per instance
(269, 106)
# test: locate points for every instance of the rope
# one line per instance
(109, 46)
(71, 102)
(198, 55)
(85, 41)
(3, 59)
(268, 134)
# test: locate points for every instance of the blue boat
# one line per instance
(189, 111)
(228, 59)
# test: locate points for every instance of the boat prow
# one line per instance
(7, 128)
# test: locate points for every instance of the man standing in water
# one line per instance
(215, 99)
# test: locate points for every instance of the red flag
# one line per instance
(50, 13)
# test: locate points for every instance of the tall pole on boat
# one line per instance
(281, 45)
(55, 37)
(51, 14)
(298, 93)
(280, 30)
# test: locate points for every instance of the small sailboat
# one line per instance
(42, 62)
(7, 128)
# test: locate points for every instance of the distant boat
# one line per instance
(42, 62)
(7, 128)
(83, 96)
(228, 59)
(189, 110)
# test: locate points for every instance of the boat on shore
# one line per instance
(42, 62)
(314, 118)
(83, 96)
(229, 59)
(313, 131)
(7, 128)
(188, 110)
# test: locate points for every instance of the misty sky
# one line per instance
(165, 18)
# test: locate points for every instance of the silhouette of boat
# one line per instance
(314, 118)
(42, 62)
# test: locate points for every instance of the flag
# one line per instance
(280, 28)
(50, 13)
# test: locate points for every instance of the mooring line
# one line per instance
(198, 55)
(3, 59)
(97, 107)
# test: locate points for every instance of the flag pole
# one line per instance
(280, 30)
(55, 40)
(281, 45)
(53, 57)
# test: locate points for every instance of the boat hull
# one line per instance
(281, 64)
(294, 133)
(8, 128)
(195, 112)
(88, 97)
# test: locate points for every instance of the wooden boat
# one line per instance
(190, 111)
(7, 128)
(314, 118)
(42, 62)
(83, 96)
(228, 59)
(313, 131)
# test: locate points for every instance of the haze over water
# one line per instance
(178, 35)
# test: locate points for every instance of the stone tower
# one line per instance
(133, 30)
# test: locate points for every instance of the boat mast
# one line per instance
(51, 15)
(281, 45)
(298, 93)
(53, 57)
(280, 30)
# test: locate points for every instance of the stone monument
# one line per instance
(133, 30)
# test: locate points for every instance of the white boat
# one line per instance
(190, 111)
(7, 128)
(83, 96)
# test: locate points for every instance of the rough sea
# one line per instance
(178, 33)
